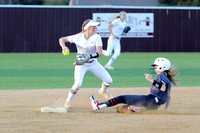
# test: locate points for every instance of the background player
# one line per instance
(87, 42)
(160, 90)
(116, 27)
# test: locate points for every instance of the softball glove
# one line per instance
(81, 59)
(126, 30)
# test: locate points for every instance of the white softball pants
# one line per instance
(113, 45)
(96, 68)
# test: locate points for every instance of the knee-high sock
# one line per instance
(104, 86)
(71, 95)
(109, 103)
(112, 59)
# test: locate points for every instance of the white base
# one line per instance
(55, 110)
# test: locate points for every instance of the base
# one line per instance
(55, 110)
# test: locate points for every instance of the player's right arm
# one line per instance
(62, 42)
(160, 85)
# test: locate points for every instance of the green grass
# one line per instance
(53, 70)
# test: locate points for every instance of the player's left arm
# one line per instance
(99, 47)
(99, 50)
(160, 85)
(163, 88)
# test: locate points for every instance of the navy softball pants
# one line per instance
(147, 101)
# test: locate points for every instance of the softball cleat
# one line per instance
(106, 94)
(109, 67)
(94, 103)
(68, 105)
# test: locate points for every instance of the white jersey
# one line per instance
(83, 45)
(118, 27)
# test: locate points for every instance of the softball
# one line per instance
(65, 52)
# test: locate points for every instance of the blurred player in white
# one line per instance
(87, 42)
(116, 27)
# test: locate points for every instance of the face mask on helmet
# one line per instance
(152, 70)
(162, 64)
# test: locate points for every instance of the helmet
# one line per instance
(162, 64)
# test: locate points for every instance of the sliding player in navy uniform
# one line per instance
(159, 91)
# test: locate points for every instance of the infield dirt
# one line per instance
(20, 113)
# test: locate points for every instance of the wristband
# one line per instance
(94, 55)
(157, 84)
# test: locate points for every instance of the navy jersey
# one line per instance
(162, 96)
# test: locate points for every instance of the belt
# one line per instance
(117, 38)
(157, 102)
(90, 61)
(156, 99)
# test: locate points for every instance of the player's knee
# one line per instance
(105, 85)
(116, 55)
(107, 53)
(109, 81)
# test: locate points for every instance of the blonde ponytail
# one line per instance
(84, 23)
(115, 17)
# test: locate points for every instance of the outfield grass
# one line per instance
(53, 70)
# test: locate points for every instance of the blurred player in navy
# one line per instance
(159, 91)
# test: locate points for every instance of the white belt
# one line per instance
(90, 61)
(156, 99)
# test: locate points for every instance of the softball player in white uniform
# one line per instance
(87, 42)
(116, 28)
